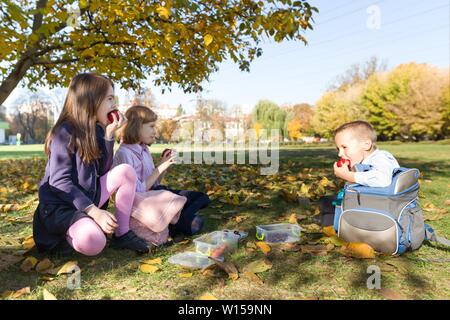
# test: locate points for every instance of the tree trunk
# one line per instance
(13, 79)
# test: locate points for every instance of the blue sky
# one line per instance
(290, 72)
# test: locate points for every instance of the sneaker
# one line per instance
(130, 241)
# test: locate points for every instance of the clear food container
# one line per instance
(217, 243)
(189, 259)
(280, 232)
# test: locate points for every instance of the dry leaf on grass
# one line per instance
(47, 295)
(258, 266)
(229, 268)
(264, 247)
(185, 275)
(391, 294)
(207, 296)
(293, 218)
(329, 231)
(68, 267)
(358, 250)
(28, 243)
(15, 294)
(44, 266)
(152, 261)
(335, 240)
(252, 277)
(317, 250)
(148, 268)
(289, 247)
(28, 264)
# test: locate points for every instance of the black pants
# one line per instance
(327, 210)
(195, 201)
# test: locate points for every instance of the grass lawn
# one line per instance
(241, 199)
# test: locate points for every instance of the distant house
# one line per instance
(3, 127)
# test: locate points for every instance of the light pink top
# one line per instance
(139, 157)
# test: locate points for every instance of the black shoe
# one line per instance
(130, 241)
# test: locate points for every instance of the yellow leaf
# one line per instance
(28, 243)
(68, 267)
(329, 231)
(304, 189)
(291, 178)
(265, 248)
(258, 266)
(44, 265)
(207, 296)
(152, 261)
(147, 268)
(28, 264)
(335, 240)
(185, 275)
(184, 242)
(208, 39)
(163, 12)
(15, 294)
(358, 250)
(293, 218)
(47, 295)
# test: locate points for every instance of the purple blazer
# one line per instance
(69, 186)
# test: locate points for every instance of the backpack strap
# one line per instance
(430, 235)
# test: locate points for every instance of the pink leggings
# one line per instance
(85, 235)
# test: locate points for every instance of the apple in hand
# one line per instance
(342, 162)
(165, 152)
(110, 115)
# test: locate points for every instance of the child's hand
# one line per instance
(166, 162)
(344, 173)
(115, 125)
(105, 219)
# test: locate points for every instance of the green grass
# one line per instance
(422, 274)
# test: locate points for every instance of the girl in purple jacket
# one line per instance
(158, 209)
(78, 178)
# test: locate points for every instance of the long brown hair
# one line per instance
(136, 117)
(85, 95)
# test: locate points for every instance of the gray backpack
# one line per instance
(389, 219)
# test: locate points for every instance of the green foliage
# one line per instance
(175, 41)
(270, 116)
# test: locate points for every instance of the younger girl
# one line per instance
(78, 181)
(156, 206)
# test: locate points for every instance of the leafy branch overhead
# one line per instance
(182, 42)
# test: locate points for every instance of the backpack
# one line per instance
(389, 219)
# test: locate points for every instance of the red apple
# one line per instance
(342, 162)
(165, 152)
(110, 116)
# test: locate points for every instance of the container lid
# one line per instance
(191, 259)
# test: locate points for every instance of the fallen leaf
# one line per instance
(258, 266)
(252, 277)
(147, 268)
(251, 245)
(15, 294)
(229, 268)
(47, 295)
(152, 261)
(66, 268)
(183, 242)
(335, 240)
(293, 218)
(391, 294)
(28, 243)
(329, 231)
(447, 202)
(207, 296)
(318, 250)
(28, 264)
(290, 247)
(358, 250)
(265, 248)
(185, 275)
(44, 266)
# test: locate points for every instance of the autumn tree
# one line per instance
(46, 42)
(337, 107)
(408, 102)
(294, 129)
(165, 129)
(303, 112)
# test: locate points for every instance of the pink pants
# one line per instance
(152, 213)
(85, 235)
